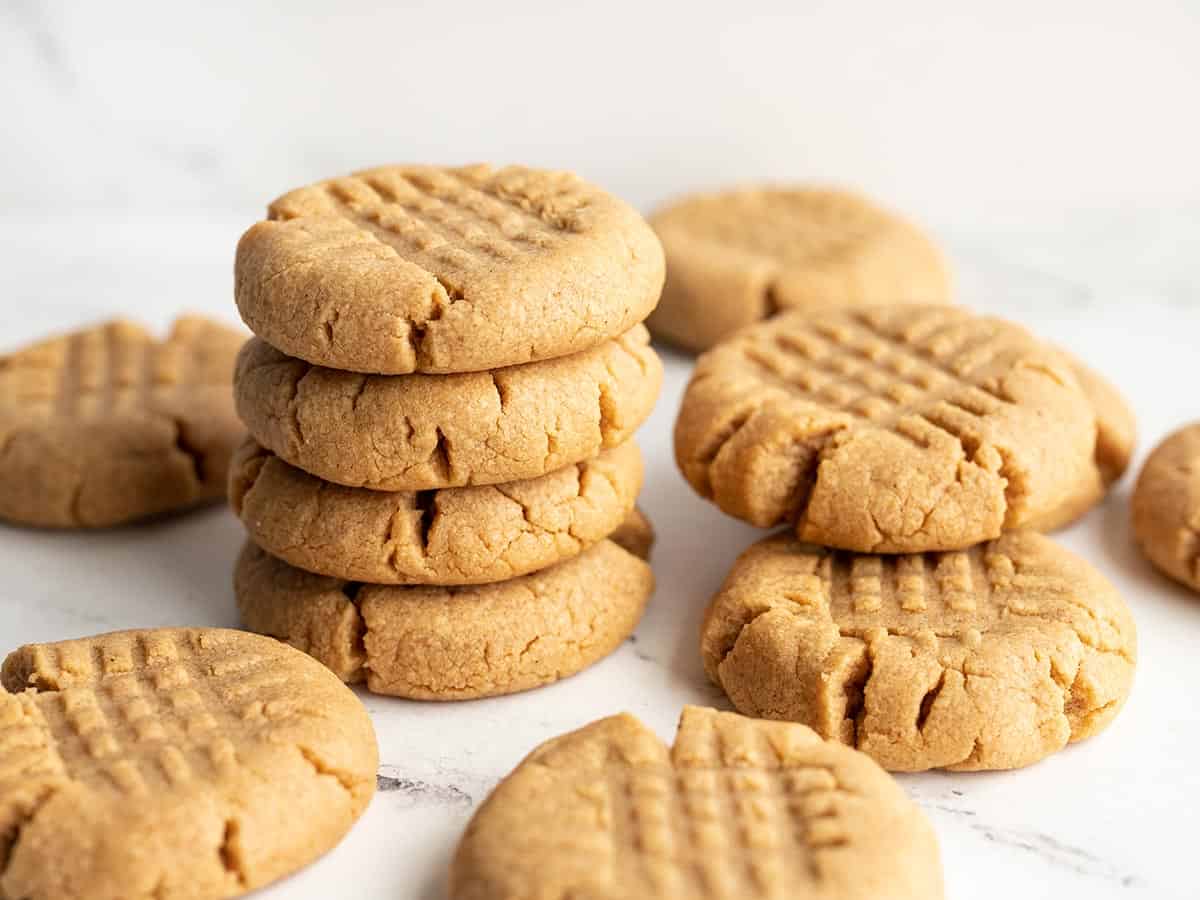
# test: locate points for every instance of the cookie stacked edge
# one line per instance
(440, 480)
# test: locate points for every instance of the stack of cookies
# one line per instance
(440, 479)
(914, 612)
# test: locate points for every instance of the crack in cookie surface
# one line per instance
(454, 642)
(987, 658)
(112, 405)
(133, 763)
(481, 267)
(464, 535)
(887, 429)
(418, 432)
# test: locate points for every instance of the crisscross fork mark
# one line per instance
(66, 403)
(899, 591)
(882, 382)
(509, 219)
(713, 829)
(730, 814)
(452, 222)
(116, 727)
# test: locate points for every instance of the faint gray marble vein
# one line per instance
(447, 788)
(29, 17)
(1056, 852)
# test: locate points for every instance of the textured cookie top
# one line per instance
(739, 256)
(418, 432)
(109, 403)
(430, 269)
(890, 429)
(455, 642)
(453, 536)
(173, 763)
(738, 808)
(987, 658)
(1166, 506)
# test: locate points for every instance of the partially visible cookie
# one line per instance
(173, 763)
(738, 809)
(635, 534)
(740, 256)
(433, 269)
(451, 643)
(1166, 506)
(1116, 425)
(988, 658)
(419, 432)
(467, 535)
(890, 429)
(108, 424)
(1116, 436)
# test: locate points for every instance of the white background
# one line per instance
(1054, 152)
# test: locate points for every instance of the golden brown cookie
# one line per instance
(738, 809)
(1166, 506)
(740, 256)
(451, 643)
(173, 763)
(635, 534)
(467, 535)
(106, 425)
(988, 658)
(431, 269)
(1116, 436)
(419, 432)
(891, 429)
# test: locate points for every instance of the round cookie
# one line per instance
(891, 429)
(420, 432)
(107, 425)
(468, 535)
(1166, 506)
(740, 256)
(988, 658)
(429, 269)
(738, 809)
(173, 763)
(451, 643)
(1116, 436)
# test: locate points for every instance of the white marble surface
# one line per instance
(1114, 817)
(969, 112)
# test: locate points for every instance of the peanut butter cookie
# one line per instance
(466, 535)
(420, 432)
(173, 763)
(890, 429)
(1166, 506)
(738, 809)
(451, 643)
(429, 269)
(988, 658)
(106, 425)
(740, 256)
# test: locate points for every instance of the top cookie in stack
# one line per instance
(426, 269)
(448, 371)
